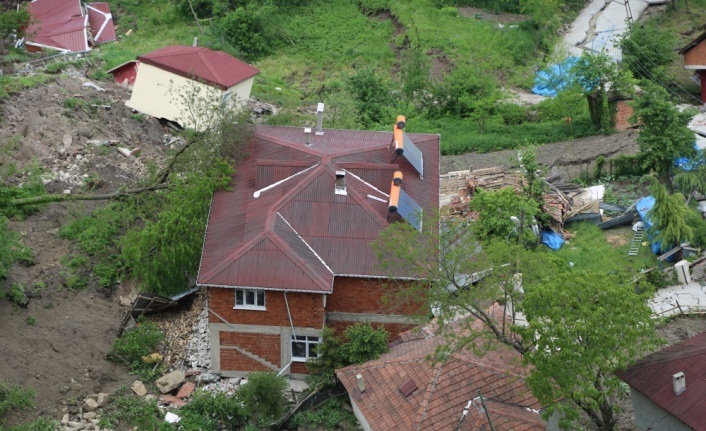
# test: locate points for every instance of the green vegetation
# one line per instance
(330, 415)
(14, 84)
(136, 343)
(360, 343)
(263, 397)
(127, 409)
(15, 398)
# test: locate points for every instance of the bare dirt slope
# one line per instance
(57, 345)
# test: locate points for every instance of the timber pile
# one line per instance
(487, 179)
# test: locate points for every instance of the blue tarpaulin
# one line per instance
(644, 206)
(689, 164)
(550, 81)
(552, 239)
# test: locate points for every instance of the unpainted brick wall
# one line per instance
(364, 295)
(394, 329)
(232, 360)
(696, 56)
(306, 308)
(265, 346)
(623, 115)
(298, 368)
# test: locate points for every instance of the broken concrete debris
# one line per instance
(170, 381)
(93, 86)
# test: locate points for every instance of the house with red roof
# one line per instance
(288, 249)
(64, 25)
(405, 390)
(668, 387)
(694, 54)
(174, 81)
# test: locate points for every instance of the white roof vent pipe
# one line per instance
(307, 136)
(320, 119)
(679, 383)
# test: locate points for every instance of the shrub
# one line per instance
(131, 411)
(15, 398)
(330, 416)
(38, 425)
(244, 29)
(263, 397)
(212, 411)
(136, 343)
(18, 295)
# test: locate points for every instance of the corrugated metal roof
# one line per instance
(652, 376)
(57, 24)
(101, 21)
(297, 221)
(213, 67)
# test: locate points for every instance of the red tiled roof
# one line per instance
(445, 389)
(298, 234)
(652, 376)
(213, 67)
(101, 21)
(58, 24)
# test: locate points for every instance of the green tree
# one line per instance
(245, 30)
(414, 72)
(585, 326)
(669, 217)
(691, 182)
(504, 213)
(664, 135)
(596, 74)
(13, 21)
(648, 51)
(372, 96)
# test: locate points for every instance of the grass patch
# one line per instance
(136, 343)
(130, 411)
(10, 85)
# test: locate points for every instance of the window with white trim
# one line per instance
(304, 347)
(249, 299)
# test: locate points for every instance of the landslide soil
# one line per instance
(57, 345)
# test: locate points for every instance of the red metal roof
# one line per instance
(444, 389)
(213, 67)
(298, 234)
(58, 24)
(652, 376)
(101, 21)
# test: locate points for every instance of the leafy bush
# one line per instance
(648, 51)
(136, 343)
(625, 166)
(263, 397)
(495, 209)
(18, 295)
(15, 398)
(329, 416)
(38, 425)
(360, 343)
(371, 7)
(372, 96)
(13, 21)
(208, 411)
(244, 29)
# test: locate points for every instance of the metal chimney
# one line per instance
(320, 119)
(307, 134)
(361, 383)
(679, 383)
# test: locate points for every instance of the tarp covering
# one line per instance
(689, 164)
(552, 239)
(550, 81)
(643, 207)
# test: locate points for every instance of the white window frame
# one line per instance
(257, 295)
(309, 342)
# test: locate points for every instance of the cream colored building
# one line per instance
(188, 85)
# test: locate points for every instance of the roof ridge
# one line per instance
(421, 416)
(233, 256)
(201, 54)
(305, 243)
(299, 261)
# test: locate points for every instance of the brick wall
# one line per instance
(306, 308)
(232, 360)
(696, 56)
(298, 368)
(622, 115)
(265, 346)
(394, 329)
(364, 295)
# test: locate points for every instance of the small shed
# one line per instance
(695, 59)
(125, 73)
(168, 77)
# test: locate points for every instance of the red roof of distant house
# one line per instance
(444, 390)
(652, 376)
(101, 21)
(213, 67)
(58, 24)
(297, 233)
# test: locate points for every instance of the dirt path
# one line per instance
(573, 157)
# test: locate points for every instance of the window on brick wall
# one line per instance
(304, 347)
(249, 299)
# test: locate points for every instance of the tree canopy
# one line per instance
(585, 326)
